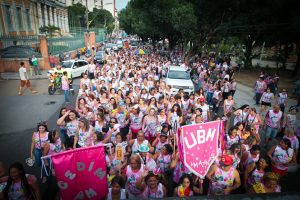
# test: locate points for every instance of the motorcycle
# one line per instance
(55, 82)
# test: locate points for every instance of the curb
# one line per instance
(18, 78)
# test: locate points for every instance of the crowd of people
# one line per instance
(126, 101)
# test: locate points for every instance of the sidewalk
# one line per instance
(15, 76)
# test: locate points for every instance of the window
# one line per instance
(82, 63)
(8, 20)
(43, 14)
(179, 75)
(28, 21)
(19, 17)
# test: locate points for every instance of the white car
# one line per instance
(73, 67)
(120, 44)
(115, 47)
(179, 78)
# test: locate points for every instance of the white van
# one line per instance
(179, 78)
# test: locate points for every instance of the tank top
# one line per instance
(121, 117)
(136, 121)
(98, 127)
(223, 180)
(132, 178)
(250, 160)
(230, 141)
(291, 122)
(150, 127)
(112, 162)
(85, 139)
(174, 118)
(160, 145)
(39, 142)
(55, 147)
(259, 86)
(273, 119)
(71, 128)
(282, 98)
(267, 97)
(228, 105)
(282, 157)
(122, 194)
(161, 119)
(255, 177)
(164, 162)
(64, 83)
(136, 145)
(252, 119)
(16, 190)
(236, 161)
(158, 194)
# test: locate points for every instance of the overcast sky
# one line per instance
(120, 4)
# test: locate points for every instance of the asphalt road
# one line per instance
(20, 115)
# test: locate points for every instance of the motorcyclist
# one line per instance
(60, 71)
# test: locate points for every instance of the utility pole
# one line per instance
(87, 15)
(101, 4)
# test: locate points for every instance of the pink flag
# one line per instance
(200, 146)
(81, 173)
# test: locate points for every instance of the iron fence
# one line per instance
(65, 44)
(32, 41)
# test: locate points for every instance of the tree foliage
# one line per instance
(205, 22)
(101, 18)
(77, 16)
(50, 30)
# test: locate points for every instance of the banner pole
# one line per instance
(104, 145)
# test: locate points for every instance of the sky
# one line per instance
(120, 4)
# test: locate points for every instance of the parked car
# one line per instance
(108, 47)
(120, 44)
(99, 57)
(134, 43)
(19, 51)
(73, 67)
(179, 78)
(115, 47)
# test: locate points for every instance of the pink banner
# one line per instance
(200, 146)
(81, 173)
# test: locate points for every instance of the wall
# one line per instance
(12, 64)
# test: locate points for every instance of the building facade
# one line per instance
(25, 17)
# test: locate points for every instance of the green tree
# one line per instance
(50, 30)
(101, 18)
(77, 16)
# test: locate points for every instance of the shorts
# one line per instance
(52, 65)
(271, 132)
(25, 82)
(265, 104)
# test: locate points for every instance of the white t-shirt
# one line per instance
(205, 110)
(22, 72)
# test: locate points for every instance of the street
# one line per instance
(20, 114)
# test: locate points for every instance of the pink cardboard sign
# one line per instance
(81, 173)
(200, 146)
